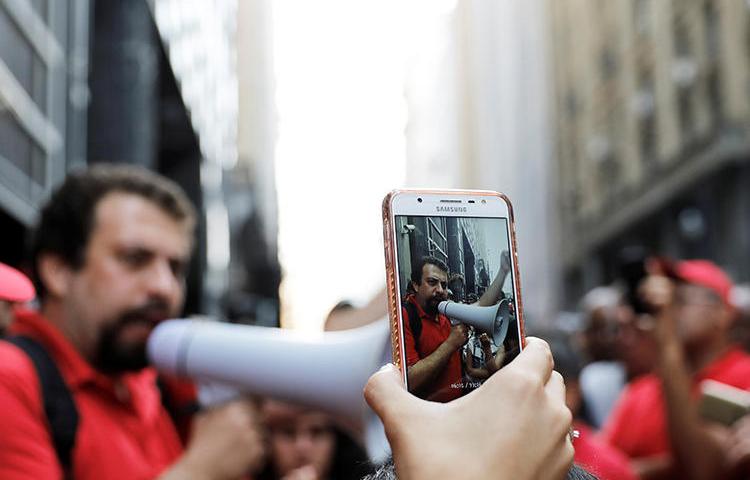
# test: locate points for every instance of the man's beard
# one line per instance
(431, 308)
(112, 355)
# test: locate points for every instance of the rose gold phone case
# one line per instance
(390, 266)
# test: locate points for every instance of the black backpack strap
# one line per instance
(415, 323)
(61, 411)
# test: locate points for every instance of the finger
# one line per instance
(385, 389)
(738, 453)
(555, 387)
(534, 359)
(742, 426)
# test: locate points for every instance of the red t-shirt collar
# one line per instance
(411, 298)
(74, 368)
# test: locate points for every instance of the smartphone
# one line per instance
(454, 295)
(723, 403)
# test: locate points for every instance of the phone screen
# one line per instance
(456, 290)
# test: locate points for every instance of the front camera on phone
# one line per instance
(419, 200)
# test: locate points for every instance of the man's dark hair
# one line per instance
(67, 219)
(416, 273)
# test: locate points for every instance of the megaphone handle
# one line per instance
(453, 321)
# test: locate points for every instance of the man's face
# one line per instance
(600, 334)
(699, 312)
(635, 344)
(433, 288)
(131, 279)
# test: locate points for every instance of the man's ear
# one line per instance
(55, 274)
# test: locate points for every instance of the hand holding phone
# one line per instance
(529, 440)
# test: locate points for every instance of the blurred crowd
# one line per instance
(656, 374)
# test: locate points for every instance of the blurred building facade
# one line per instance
(44, 96)
(478, 110)
(652, 118)
(147, 82)
(250, 192)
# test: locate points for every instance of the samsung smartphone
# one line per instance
(453, 288)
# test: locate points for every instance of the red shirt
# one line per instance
(599, 458)
(638, 425)
(123, 433)
(435, 330)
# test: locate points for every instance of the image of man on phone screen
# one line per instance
(432, 344)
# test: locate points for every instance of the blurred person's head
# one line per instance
(456, 286)
(600, 308)
(15, 287)
(702, 298)
(569, 363)
(430, 282)
(636, 347)
(109, 260)
(635, 343)
(631, 270)
(302, 438)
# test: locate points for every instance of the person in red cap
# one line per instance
(656, 421)
(15, 287)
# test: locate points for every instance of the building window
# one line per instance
(608, 64)
(685, 110)
(641, 16)
(644, 106)
(647, 139)
(684, 74)
(713, 51)
(571, 105)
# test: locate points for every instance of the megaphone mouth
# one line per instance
(492, 320)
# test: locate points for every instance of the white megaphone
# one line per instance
(493, 320)
(325, 370)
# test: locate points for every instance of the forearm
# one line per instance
(494, 291)
(653, 468)
(695, 451)
(425, 371)
(182, 470)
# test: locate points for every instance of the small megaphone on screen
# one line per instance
(325, 371)
(493, 320)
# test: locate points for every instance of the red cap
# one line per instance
(14, 285)
(705, 274)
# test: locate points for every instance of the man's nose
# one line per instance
(162, 282)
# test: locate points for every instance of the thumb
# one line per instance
(385, 391)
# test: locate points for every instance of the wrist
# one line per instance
(189, 468)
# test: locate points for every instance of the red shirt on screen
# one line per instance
(638, 425)
(435, 330)
(122, 433)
